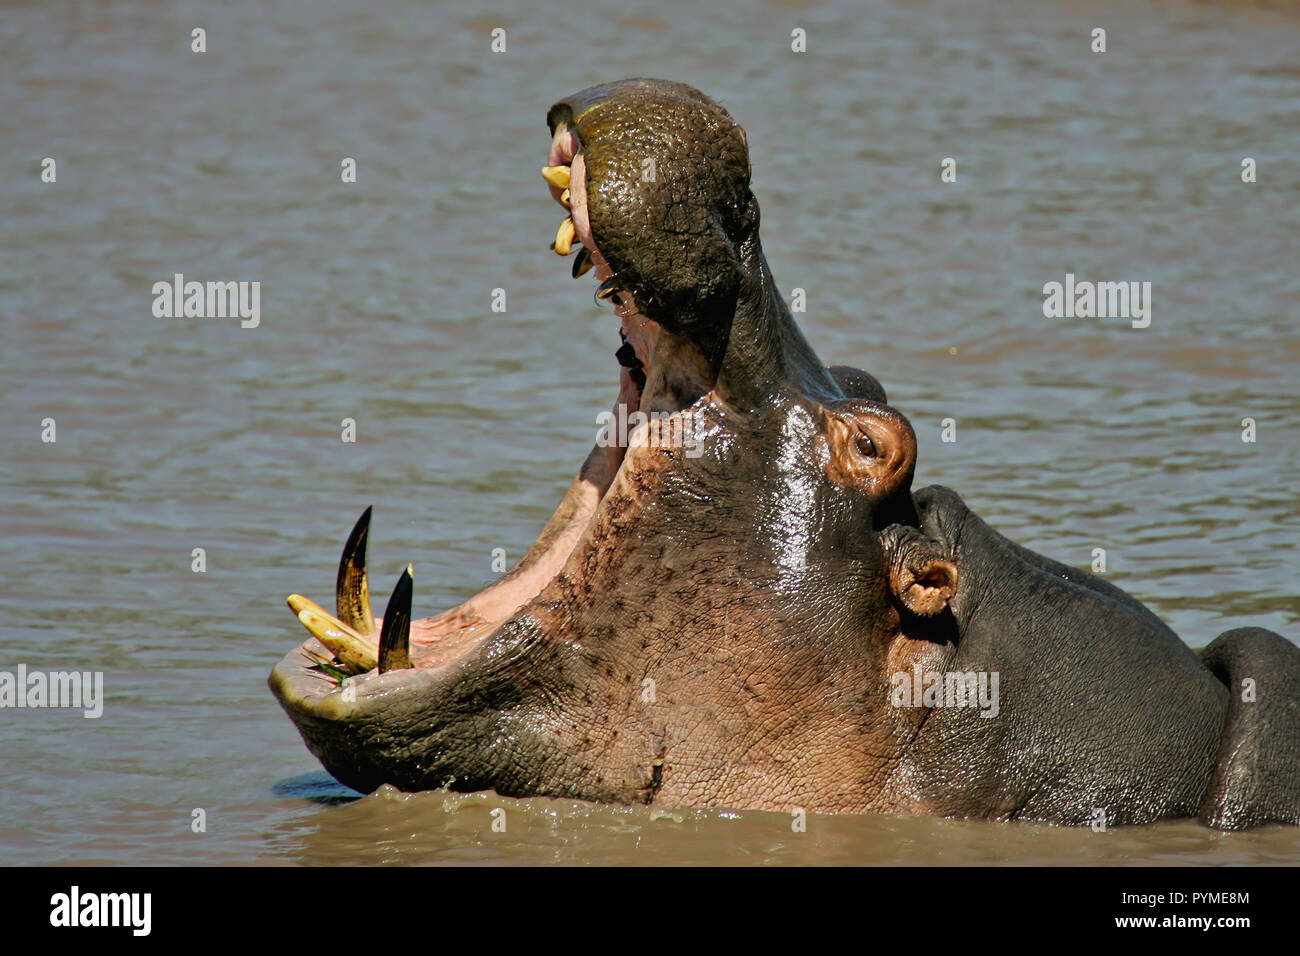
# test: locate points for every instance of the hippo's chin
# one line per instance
(365, 728)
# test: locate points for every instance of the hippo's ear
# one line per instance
(921, 577)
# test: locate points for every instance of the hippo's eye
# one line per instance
(866, 447)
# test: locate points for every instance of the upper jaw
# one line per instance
(672, 282)
(658, 184)
(647, 383)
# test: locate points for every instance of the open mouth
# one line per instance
(659, 376)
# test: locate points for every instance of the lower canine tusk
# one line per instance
(395, 640)
(351, 592)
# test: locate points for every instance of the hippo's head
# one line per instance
(712, 615)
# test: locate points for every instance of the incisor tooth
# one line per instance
(355, 652)
(564, 198)
(564, 237)
(557, 176)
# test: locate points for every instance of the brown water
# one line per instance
(175, 434)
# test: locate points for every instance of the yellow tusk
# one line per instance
(557, 176)
(354, 651)
(351, 593)
(564, 237)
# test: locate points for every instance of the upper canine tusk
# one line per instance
(607, 288)
(582, 262)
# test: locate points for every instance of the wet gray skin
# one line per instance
(719, 614)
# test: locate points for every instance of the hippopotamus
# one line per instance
(748, 605)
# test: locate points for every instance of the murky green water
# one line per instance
(175, 434)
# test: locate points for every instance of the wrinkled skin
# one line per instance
(725, 628)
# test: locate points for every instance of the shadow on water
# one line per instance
(316, 787)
